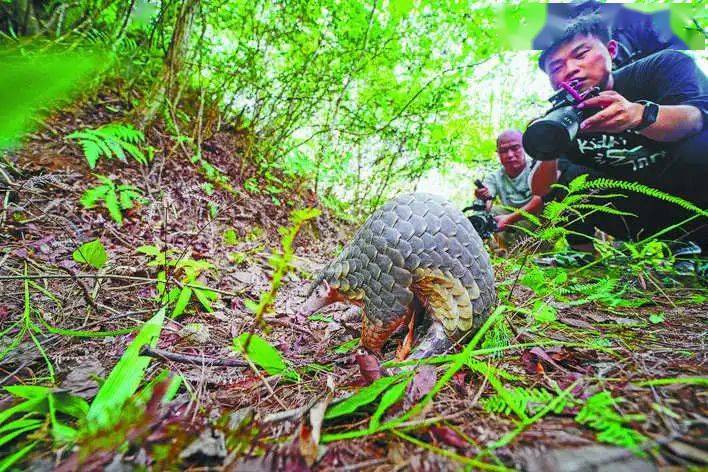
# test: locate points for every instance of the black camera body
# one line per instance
(548, 137)
(482, 220)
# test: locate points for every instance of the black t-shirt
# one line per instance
(667, 78)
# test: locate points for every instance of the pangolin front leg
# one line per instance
(375, 334)
(434, 342)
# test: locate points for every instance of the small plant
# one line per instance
(109, 141)
(600, 413)
(116, 197)
(264, 355)
(281, 262)
(189, 270)
(519, 399)
(92, 253)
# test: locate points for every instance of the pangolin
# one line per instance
(416, 255)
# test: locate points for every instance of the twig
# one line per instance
(87, 296)
(293, 414)
(265, 382)
(190, 359)
(363, 465)
(288, 324)
(108, 276)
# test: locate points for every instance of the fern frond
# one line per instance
(603, 209)
(599, 413)
(112, 140)
(644, 190)
(520, 399)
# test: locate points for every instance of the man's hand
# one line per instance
(618, 114)
(503, 221)
(482, 193)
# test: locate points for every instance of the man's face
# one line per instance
(585, 59)
(511, 154)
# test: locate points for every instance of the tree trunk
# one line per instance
(167, 85)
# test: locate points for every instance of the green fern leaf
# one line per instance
(599, 413)
(92, 152)
(92, 196)
(113, 206)
(645, 190)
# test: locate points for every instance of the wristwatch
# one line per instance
(651, 111)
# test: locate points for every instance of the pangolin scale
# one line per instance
(416, 252)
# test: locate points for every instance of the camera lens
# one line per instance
(548, 137)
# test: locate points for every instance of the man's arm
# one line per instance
(674, 122)
(534, 206)
(544, 175)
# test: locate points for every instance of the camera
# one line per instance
(482, 220)
(548, 137)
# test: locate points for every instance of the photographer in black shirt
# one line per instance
(649, 127)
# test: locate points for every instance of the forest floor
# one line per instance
(231, 415)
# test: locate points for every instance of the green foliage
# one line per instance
(92, 253)
(347, 346)
(264, 355)
(230, 237)
(116, 197)
(32, 81)
(125, 378)
(112, 140)
(41, 405)
(365, 396)
(644, 190)
(600, 413)
(281, 263)
(189, 287)
(543, 312)
(499, 336)
(520, 400)
(656, 318)
(607, 291)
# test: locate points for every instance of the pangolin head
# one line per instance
(328, 287)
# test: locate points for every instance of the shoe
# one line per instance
(566, 259)
(685, 267)
(684, 248)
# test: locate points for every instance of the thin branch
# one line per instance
(190, 359)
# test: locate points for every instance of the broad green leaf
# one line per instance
(230, 237)
(182, 301)
(543, 312)
(149, 250)
(125, 378)
(347, 346)
(656, 318)
(28, 391)
(206, 297)
(388, 399)
(92, 253)
(261, 352)
(363, 397)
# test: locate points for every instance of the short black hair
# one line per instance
(590, 24)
